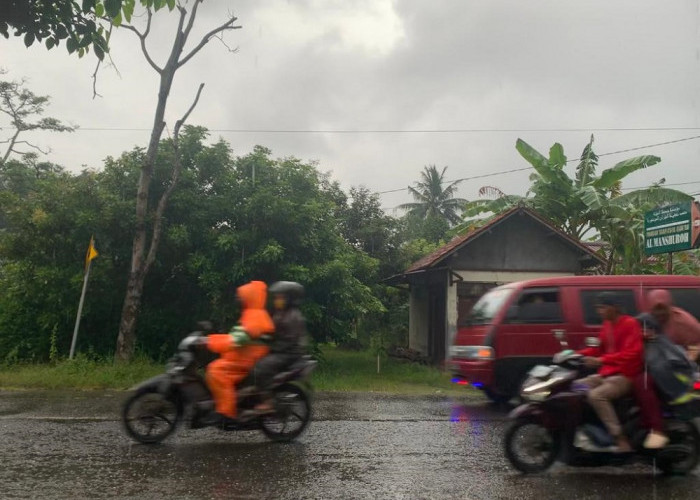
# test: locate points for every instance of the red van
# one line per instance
(511, 328)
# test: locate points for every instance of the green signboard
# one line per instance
(668, 229)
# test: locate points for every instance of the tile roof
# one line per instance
(459, 241)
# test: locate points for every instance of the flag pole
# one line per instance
(80, 311)
(91, 254)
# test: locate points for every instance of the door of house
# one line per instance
(436, 323)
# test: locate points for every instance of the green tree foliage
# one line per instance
(81, 25)
(223, 227)
(25, 110)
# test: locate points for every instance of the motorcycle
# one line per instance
(556, 422)
(157, 406)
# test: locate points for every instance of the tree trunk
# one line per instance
(611, 262)
(140, 262)
(126, 339)
(127, 327)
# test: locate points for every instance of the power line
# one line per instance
(502, 172)
(404, 131)
(662, 185)
(645, 147)
(386, 209)
(466, 178)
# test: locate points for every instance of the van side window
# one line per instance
(688, 299)
(536, 305)
(589, 300)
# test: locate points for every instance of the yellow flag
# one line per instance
(91, 252)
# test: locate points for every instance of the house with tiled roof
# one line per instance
(517, 245)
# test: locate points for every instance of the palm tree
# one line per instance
(433, 199)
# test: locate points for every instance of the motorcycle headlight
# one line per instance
(539, 390)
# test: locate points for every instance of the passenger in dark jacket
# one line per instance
(289, 340)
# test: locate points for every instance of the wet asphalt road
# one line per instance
(71, 445)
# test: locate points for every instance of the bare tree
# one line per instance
(25, 110)
(142, 257)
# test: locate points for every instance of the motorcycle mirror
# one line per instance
(205, 326)
(560, 335)
(592, 342)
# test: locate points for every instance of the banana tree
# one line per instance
(575, 205)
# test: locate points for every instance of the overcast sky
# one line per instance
(477, 74)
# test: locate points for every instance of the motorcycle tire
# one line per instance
(548, 448)
(292, 414)
(681, 435)
(149, 416)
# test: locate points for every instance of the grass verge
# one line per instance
(339, 371)
(345, 371)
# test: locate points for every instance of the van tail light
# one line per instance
(473, 352)
(696, 385)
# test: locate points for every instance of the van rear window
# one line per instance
(688, 299)
(589, 300)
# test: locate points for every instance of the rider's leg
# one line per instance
(221, 378)
(601, 398)
(650, 411)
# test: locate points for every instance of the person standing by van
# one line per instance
(619, 359)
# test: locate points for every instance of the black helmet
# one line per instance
(293, 291)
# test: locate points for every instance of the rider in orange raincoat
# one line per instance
(237, 354)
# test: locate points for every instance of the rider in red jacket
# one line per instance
(619, 359)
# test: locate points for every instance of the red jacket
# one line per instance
(621, 349)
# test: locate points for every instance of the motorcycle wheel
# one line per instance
(530, 447)
(681, 435)
(292, 414)
(149, 416)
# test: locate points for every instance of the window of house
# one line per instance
(589, 301)
(536, 305)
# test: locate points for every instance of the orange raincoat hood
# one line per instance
(254, 317)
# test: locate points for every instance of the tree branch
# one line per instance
(11, 146)
(223, 42)
(142, 38)
(190, 23)
(175, 177)
(228, 25)
(94, 79)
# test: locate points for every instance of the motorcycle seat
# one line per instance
(295, 368)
